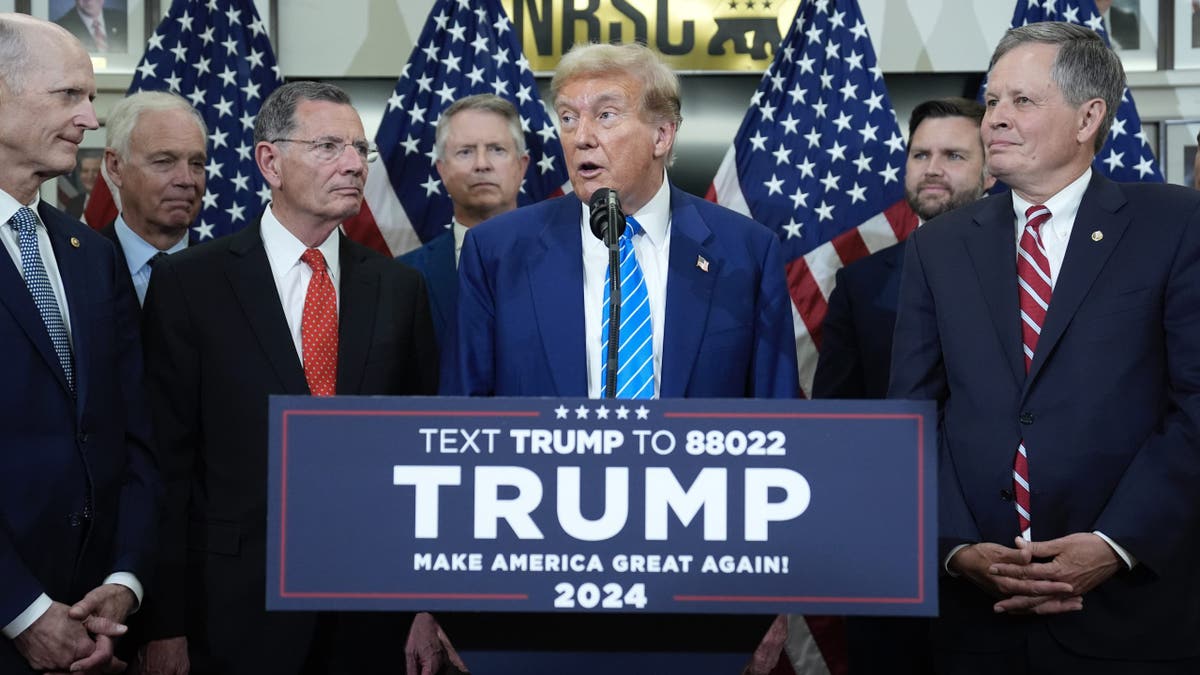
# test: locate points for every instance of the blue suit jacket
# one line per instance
(435, 260)
(520, 314)
(856, 335)
(1109, 412)
(78, 489)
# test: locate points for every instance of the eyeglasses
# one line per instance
(328, 150)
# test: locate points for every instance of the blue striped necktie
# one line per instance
(635, 354)
(25, 223)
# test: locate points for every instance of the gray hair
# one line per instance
(277, 117)
(125, 114)
(1084, 67)
(484, 103)
(16, 56)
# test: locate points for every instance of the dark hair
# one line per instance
(277, 117)
(953, 106)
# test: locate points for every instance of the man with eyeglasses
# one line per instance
(288, 305)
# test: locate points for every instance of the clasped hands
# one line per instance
(1038, 577)
(79, 639)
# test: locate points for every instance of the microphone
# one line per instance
(608, 224)
(605, 208)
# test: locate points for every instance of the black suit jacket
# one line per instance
(856, 335)
(79, 495)
(217, 345)
(115, 23)
(110, 231)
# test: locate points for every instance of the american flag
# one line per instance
(466, 47)
(1126, 155)
(216, 54)
(819, 158)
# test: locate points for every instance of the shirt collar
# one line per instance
(1063, 205)
(138, 251)
(654, 217)
(9, 206)
(284, 249)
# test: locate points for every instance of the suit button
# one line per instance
(1006, 495)
(1026, 417)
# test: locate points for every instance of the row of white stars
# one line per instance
(581, 413)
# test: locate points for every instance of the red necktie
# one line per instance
(319, 327)
(1033, 280)
(99, 36)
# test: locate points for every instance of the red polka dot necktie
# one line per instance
(1033, 281)
(319, 327)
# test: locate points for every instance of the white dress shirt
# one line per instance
(138, 253)
(8, 236)
(292, 274)
(460, 232)
(652, 249)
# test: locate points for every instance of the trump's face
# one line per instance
(610, 141)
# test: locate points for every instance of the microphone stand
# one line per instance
(612, 239)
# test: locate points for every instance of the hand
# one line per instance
(102, 612)
(1082, 561)
(978, 562)
(168, 656)
(428, 649)
(55, 641)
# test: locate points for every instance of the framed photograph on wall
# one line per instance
(113, 31)
(1132, 27)
(1177, 150)
(1187, 33)
(70, 192)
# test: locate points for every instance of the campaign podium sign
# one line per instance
(581, 505)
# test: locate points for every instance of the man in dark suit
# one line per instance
(156, 158)
(716, 307)
(78, 490)
(481, 159)
(1121, 24)
(945, 170)
(1056, 326)
(100, 30)
(288, 305)
(720, 314)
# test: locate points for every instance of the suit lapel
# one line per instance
(249, 274)
(359, 289)
(442, 275)
(73, 267)
(556, 282)
(689, 295)
(992, 247)
(14, 295)
(1083, 262)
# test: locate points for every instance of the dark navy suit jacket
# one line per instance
(1109, 412)
(856, 335)
(520, 326)
(79, 493)
(435, 260)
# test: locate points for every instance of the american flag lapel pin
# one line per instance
(701, 263)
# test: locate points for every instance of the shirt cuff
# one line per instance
(25, 619)
(1126, 557)
(128, 580)
(946, 562)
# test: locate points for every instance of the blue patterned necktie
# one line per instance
(635, 354)
(25, 223)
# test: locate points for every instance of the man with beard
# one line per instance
(945, 170)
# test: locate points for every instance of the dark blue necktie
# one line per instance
(635, 354)
(25, 223)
